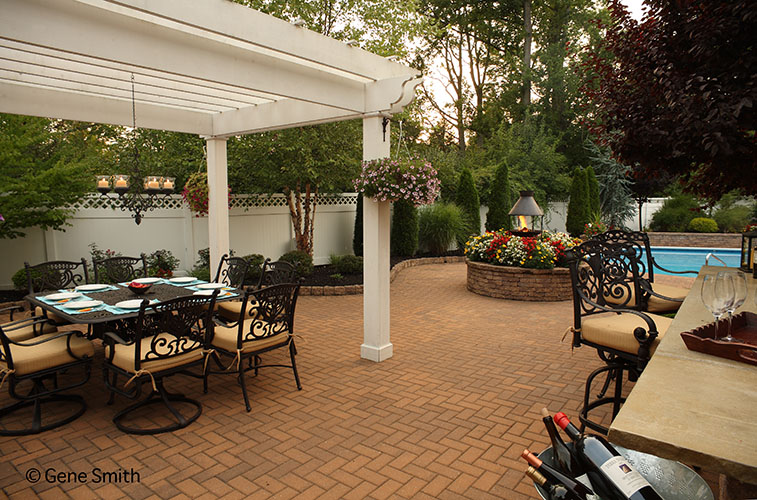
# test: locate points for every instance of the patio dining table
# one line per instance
(693, 407)
(108, 315)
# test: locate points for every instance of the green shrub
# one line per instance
(201, 273)
(578, 206)
(675, 214)
(404, 233)
(440, 225)
(19, 279)
(348, 264)
(255, 261)
(302, 261)
(357, 236)
(162, 263)
(467, 199)
(499, 201)
(593, 191)
(703, 225)
(732, 219)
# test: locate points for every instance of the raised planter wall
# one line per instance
(517, 283)
(701, 240)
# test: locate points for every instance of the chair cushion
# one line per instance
(38, 311)
(616, 330)
(35, 358)
(655, 304)
(226, 338)
(27, 332)
(230, 310)
(124, 356)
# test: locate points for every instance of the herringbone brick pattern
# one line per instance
(446, 417)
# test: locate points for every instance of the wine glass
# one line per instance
(738, 281)
(717, 295)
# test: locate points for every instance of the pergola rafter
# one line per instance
(207, 67)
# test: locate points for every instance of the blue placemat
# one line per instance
(190, 283)
(107, 288)
(63, 301)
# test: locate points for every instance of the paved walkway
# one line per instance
(446, 417)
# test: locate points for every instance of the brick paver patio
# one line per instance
(446, 417)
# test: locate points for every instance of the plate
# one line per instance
(129, 304)
(146, 280)
(211, 286)
(208, 293)
(63, 296)
(183, 279)
(82, 304)
(91, 287)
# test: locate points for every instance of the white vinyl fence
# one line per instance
(258, 224)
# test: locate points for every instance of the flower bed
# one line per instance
(507, 266)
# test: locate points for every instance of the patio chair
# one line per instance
(231, 272)
(656, 297)
(26, 355)
(277, 273)
(168, 338)
(606, 287)
(53, 276)
(120, 269)
(271, 327)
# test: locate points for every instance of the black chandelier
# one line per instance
(136, 198)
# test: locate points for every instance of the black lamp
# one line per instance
(748, 250)
(526, 206)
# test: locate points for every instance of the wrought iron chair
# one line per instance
(277, 273)
(656, 297)
(607, 288)
(27, 355)
(168, 338)
(120, 269)
(231, 272)
(270, 327)
(55, 275)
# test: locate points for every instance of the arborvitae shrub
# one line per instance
(467, 199)
(595, 208)
(578, 206)
(499, 201)
(404, 234)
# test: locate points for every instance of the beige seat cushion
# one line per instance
(226, 338)
(655, 304)
(616, 330)
(27, 331)
(38, 311)
(230, 310)
(34, 358)
(124, 356)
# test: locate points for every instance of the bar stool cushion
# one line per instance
(124, 356)
(616, 330)
(35, 358)
(226, 338)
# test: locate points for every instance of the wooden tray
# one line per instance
(743, 348)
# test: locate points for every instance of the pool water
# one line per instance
(691, 259)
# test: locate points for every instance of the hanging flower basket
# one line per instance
(413, 179)
(196, 193)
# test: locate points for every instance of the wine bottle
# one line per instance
(563, 458)
(556, 477)
(554, 491)
(607, 469)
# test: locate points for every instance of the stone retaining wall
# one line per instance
(358, 289)
(517, 283)
(701, 240)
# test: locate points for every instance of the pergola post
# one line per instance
(218, 201)
(376, 345)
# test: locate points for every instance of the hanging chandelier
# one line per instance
(135, 197)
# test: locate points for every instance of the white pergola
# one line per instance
(212, 68)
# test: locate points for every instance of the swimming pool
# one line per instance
(691, 259)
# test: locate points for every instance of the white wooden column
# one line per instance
(218, 202)
(376, 345)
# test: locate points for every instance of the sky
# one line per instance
(634, 6)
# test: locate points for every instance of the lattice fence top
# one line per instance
(245, 201)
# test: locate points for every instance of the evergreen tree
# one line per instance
(499, 201)
(467, 199)
(578, 206)
(592, 186)
(357, 237)
(404, 234)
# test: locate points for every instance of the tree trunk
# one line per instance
(302, 213)
(527, 55)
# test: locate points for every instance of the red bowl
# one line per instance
(139, 288)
